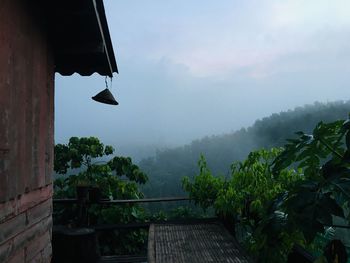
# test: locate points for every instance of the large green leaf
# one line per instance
(328, 204)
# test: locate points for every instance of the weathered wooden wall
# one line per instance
(26, 135)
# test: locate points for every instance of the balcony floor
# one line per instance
(183, 243)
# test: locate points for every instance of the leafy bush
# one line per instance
(247, 197)
(205, 188)
(324, 157)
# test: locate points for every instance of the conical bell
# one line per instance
(105, 96)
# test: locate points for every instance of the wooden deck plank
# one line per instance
(151, 248)
(205, 242)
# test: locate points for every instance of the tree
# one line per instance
(83, 161)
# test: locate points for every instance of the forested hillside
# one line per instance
(166, 169)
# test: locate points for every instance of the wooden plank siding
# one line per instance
(26, 102)
(26, 135)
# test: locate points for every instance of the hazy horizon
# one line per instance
(202, 68)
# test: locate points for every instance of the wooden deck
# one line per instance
(192, 243)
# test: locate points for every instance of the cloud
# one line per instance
(195, 68)
(304, 15)
(213, 38)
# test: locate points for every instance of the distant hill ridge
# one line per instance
(166, 169)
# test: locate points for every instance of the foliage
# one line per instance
(205, 188)
(247, 196)
(183, 212)
(177, 213)
(117, 178)
(284, 197)
(324, 157)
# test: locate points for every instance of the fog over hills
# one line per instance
(168, 166)
(190, 69)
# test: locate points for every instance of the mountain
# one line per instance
(167, 167)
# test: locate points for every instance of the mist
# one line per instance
(190, 69)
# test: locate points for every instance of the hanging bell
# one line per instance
(105, 96)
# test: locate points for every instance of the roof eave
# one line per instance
(80, 37)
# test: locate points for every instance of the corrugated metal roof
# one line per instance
(183, 243)
(80, 37)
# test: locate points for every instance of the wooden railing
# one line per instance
(83, 206)
(125, 201)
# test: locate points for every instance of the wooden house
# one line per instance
(37, 39)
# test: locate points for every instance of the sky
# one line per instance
(188, 69)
